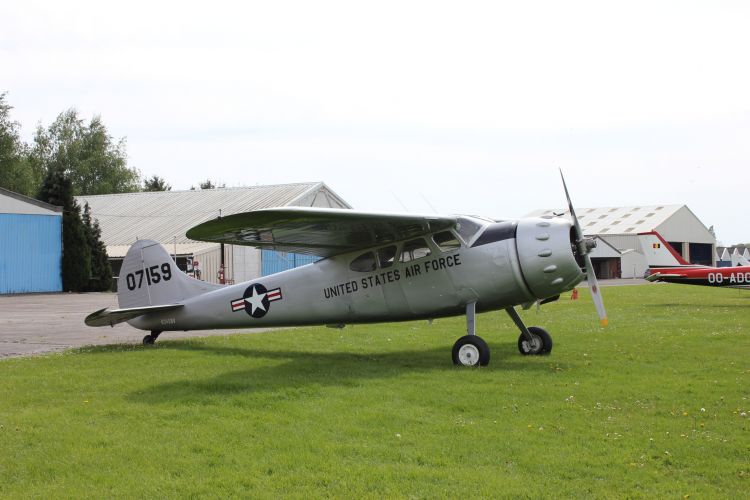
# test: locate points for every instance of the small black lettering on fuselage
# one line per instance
(392, 276)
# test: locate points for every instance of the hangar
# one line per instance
(165, 216)
(30, 246)
(618, 227)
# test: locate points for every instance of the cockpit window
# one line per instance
(386, 256)
(467, 228)
(446, 241)
(364, 263)
(414, 249)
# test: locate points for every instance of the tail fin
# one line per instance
(659, 253)
(149, 277)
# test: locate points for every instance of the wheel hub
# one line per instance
(534, 345)
(469, 355)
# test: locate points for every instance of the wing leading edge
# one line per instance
(315, 231)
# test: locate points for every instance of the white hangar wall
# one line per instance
(619, 227)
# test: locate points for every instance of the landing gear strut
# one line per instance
(533, 340)
(471, 349)
(151, 338)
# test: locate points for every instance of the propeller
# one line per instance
(584, 247)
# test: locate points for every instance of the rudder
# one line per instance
(150, 277)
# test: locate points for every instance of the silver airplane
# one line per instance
(374, 267)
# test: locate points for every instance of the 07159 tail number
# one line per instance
(154, 275)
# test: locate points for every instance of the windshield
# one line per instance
(467, 227)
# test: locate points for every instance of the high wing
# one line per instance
(316, 231)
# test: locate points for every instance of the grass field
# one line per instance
(657, 405)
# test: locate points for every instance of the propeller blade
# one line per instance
(596, 294)
(579, 232)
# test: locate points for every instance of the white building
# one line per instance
(165, 216)
(619, 228)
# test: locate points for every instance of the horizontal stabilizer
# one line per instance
(111, 317)
(660, 276)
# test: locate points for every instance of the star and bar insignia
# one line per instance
(256, 301)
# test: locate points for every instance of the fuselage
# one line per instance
(428, 277)
(726, 277)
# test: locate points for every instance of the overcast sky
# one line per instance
(455, 107)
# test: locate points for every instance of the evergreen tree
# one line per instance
(156, 183)
(209, 184)
(57, 189)
(101, 271)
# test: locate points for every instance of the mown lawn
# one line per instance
(657, 405)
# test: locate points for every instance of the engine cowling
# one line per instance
(546, 254)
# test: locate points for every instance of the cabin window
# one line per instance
(386, 256)
(414, 249)
(446, 241)
(364, 263)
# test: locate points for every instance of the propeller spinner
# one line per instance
(584, 247)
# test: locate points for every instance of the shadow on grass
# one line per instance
(300, 371)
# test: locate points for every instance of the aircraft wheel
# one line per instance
(148, 340)
(542, 343)
(471, 350)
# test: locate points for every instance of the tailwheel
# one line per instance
(471, 350)
(540, 343)
(151, 338)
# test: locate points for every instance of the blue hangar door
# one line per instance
(274, 262)
(30, 253)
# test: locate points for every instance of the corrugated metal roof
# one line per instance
(617, 220)
(23, 200)
(119, 251)
(165, 215)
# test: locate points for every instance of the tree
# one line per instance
(93, 161)
(208, 184)
(57, 189)
(156, 183)
(16, 173)
(101, 271)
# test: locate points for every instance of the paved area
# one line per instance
(41, 323)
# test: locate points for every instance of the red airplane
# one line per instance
(665, 264)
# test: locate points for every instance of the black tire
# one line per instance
(471, 350)
(544, 342)
(148, 340)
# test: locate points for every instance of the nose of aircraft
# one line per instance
(545, 253)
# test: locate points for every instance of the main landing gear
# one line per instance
(472, 350)
(151, 338)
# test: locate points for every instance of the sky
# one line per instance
(449, 107)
